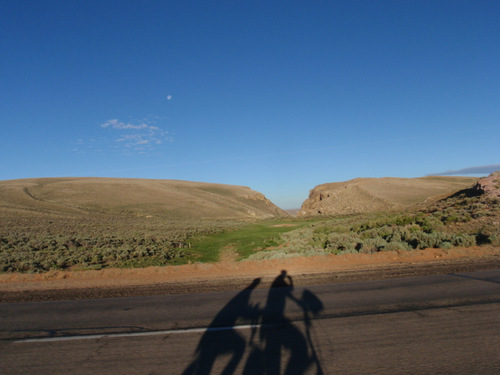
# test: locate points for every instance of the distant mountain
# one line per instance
(140, 197)
(363, 195)
(293, 211)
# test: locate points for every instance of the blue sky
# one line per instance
(279, 96)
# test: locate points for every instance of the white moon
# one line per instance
(169, 97)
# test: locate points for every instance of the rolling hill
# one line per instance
(363, 195)
(137, 197)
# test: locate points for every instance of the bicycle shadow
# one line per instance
(274, 339)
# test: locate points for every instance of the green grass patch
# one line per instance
(245, 240)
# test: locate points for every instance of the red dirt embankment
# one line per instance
(229, 274)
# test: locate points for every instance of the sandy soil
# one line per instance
(229, 274)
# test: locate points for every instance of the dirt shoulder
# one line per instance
(232, 275)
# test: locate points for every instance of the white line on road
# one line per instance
(137, 334)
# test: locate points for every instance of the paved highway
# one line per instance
(443, 324)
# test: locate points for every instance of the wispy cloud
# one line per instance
(117, 124)
(141, 137)
(479, 170)
(128, 138)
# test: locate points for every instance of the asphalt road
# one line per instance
(443, 324)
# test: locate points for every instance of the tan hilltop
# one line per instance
(363, 195)
(142, 197)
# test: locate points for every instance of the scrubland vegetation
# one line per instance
(462, 220)
(43, 242)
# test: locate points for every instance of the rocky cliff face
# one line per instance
(490, 186)
(339, 199)
(260, 206)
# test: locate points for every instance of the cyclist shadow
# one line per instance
(274, 339)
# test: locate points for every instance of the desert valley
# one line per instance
(81, 233)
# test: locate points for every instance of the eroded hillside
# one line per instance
(94, 223)
(170, 199)
(467, 218)
(363, 195)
